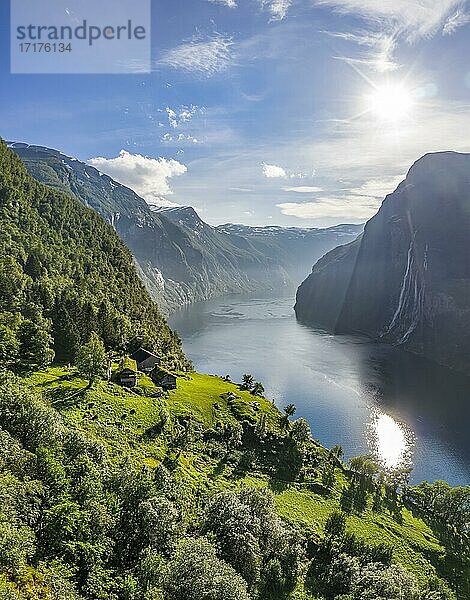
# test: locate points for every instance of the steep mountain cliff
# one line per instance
(180, 258)
(406, 280)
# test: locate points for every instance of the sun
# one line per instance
(390, 102)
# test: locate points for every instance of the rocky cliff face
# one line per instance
(180, 258)
(406, 280)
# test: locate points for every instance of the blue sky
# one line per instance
(290, 112)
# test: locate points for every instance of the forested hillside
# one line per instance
(63, 274)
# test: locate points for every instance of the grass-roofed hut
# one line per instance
(127, 372)
(163, 378)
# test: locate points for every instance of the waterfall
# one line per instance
(410, 306)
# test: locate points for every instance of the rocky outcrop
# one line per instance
(406, 280)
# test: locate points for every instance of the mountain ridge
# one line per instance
(182, 260)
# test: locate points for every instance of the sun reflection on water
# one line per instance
(392, 442)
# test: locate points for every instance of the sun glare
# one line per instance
(390, 102)
(391, 441)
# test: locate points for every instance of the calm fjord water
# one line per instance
(366, 397)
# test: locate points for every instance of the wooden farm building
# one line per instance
(146, 360)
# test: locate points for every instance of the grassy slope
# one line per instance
(99, 413)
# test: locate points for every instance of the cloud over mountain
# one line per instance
(148, 177)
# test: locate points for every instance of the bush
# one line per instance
(26, 416)
(17, 546)
(254, 540)
(195, 573)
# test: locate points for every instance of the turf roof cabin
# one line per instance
(146, 360)
(127, 373)
(164, 378)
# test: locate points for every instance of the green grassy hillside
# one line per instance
(104, 454)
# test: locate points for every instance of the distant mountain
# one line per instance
(294, 247)
(293, 233)
(180, 258)
(406, 280)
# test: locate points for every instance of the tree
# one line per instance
(340, 574)
(289, 411)
(335, 525)
(257, 389)
(159, 521)
(328, 477)
(237, 530)
(17, 546)
(337, 451)
(251, 537)
(450, 505)
(248, 381)
(300, 431)
(13, 282)
(364, 465)
(195, 573)
(232, 436)
(375, 582)
(437, 589)
(91, 359)
(9, 347)
(35, 350)
(396, 479)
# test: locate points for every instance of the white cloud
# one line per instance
(202, 57)
(303, 189)
(356, 203)
(416, 18)
(172, 117)
(327, 208)
(376, 188)
(277, 8)
(300, 175)
(273, 171)
(380, 48)
(394, 20)
(148, 177)
(180, 139)
(229, 3)
(341, 208)
(458, 19)
(183, 114)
